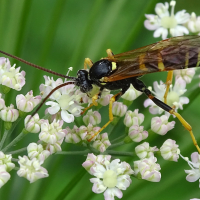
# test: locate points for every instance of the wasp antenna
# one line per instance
(43, 101)
(37, 66)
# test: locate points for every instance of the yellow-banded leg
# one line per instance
(112, 100)
(171, 111)
(87, 62)
(168, 83)
(94, 103)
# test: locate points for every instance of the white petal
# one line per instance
(67, 117)
(111, 192)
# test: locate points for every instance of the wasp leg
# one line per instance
(94, 103)
(110, 53)
(87, 62)
(139, 85)
(112, 100)
(168, 83)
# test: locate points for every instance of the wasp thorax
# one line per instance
(83, 82)
(100, 69)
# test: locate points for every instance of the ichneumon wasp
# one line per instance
(117, 72)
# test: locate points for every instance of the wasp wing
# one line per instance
(170, 54)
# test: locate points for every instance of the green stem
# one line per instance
(14, 124)
(14, 159)
(15, 141)
(116, 145)
(17, 151)
(1, 125)
(119, 153)
(119, 138)
(4, 138)
(73, 152)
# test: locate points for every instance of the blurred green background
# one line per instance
(60, 34)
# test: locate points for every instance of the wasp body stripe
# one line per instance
(186, 60)
(161, 65)
(198, 59)
(142, 66)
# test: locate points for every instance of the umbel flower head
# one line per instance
(111, 176)
(165, 22)
(11, 76)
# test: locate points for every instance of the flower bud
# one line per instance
(145, 151)
(102, 142)
(6, 161)
(36, 151)
(93, 118)
(131, 94)
(119, 109)
(133, 118)
(169, 150)
(2, 102)
(9, 114)
(33, 125)
(27, 103)
(160, 125)
(4, 175)
(137, 134)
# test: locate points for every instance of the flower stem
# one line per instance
(116, 145)
(119, 138)
(17, 151)
(4, 138)
(14, 159)
(119, 153)
(73, 152)
(17, 139)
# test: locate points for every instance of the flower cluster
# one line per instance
(166, 22)
(5, 166)
(110, 175)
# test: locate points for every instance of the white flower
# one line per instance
(160, 125)
(169, 150)
(34, 123)
(164, 22)
(5, 160)
(148, 169)
(2, 102)
(145, 151)
(53, 148)
(133, 118)
(111, 178)
(80, 134)
(66, 102)
(9, 114)
(131, 94)
(91, 117)
(105, 97)
(137, 134)
(194, 173)
(31, 169)
(4, 175)
(27, 103)
(185, 74)
(174, 97)
(36, 151)
(49, 85)
(12, 78)
(102, 142)
(51, 133)
(92, 159)
(194, 23)
(119, 109)
(4, 66)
